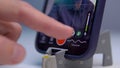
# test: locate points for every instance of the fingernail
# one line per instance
(18, 55)
(73, 33)
(70, 31)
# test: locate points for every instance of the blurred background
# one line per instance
(111, 22)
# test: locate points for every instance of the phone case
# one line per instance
(84, 16)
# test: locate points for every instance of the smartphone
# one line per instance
(85, 16)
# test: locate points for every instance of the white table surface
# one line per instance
(33, 58)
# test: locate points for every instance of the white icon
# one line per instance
(77, 41)
(51, 39)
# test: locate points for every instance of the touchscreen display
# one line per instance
(78, 14)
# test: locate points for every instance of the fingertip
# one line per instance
(18, 55)
(67, 32)
(10, 52)
(58, 30)
(70, 31)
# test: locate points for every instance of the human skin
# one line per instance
(14, 11)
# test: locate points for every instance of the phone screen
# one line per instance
(78, 14)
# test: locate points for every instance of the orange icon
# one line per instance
(61, 42)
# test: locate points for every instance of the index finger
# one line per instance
(41, 22)
(18, 10)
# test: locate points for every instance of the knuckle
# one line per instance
(17, 28)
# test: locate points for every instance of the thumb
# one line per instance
(10, 52)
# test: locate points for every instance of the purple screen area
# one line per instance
(80, 19)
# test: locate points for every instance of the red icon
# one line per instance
(61, 42)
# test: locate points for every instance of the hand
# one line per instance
(13, 11)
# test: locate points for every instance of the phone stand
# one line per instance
(57, 60)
